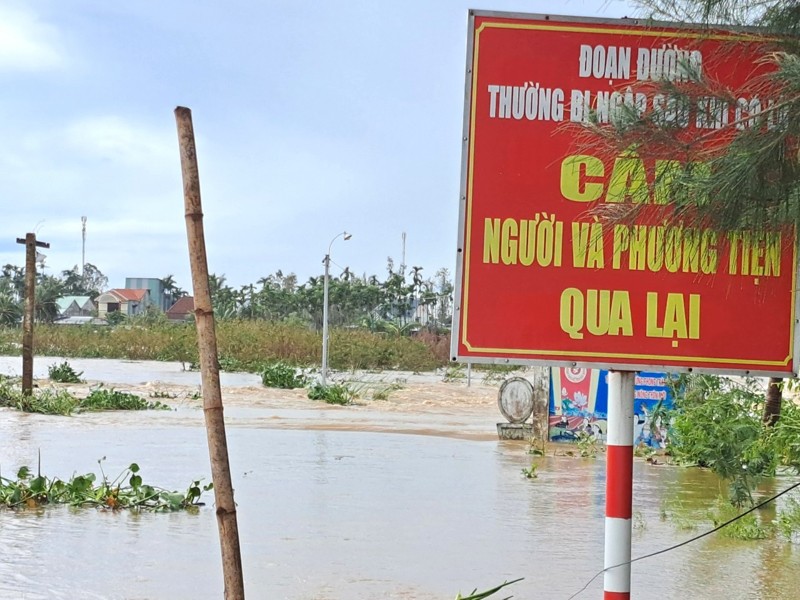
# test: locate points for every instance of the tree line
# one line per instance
(405, 300)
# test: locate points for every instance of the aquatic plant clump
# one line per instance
(111, 399)
(334, 393)
(127, 491)
(281, 375)
(64, 373)
(50, 401)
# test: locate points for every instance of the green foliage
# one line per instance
(495, 374)
(110, 399)
(717, 424)
(116, 318)
(50, 401)
(746, 528)
(10, 305)
(476, 595)
(281, 375)
(536, 447)
(332, 393)
(586, 444)
(47, 401)
(750, 178)
(454, 372)
(789, 520)
(383, 391)
(531, 472)
(678, 514)
(9, 391)
(126, 491)
(243, 345)
(64, 373)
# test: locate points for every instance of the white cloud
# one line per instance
(27, 43)
(118, 140)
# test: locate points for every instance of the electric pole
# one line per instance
(30, 301)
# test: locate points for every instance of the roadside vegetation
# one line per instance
(717, 423)
(243, 345)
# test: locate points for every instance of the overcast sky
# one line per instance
(311, 118)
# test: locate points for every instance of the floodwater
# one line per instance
(356, 513)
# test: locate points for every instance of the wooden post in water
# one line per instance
(30, 303)
(209, 365)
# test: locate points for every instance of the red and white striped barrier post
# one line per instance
(619, 486)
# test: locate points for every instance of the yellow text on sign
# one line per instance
(608, 312)
(596, 312)
(584, 178)
(673, 317)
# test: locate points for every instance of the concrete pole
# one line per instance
(619, 486)
(324, 374)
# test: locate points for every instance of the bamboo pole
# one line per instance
(209, 365)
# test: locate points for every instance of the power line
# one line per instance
(689, 541)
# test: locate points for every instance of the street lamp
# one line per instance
(327, 262)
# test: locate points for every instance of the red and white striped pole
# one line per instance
(619, 486)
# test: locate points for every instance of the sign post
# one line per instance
(619, 486)
(542, 280)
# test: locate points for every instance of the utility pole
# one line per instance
(30, 301)
(403, 259)
(83, 250)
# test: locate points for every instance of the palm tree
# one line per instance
(10, 306)
(169, 287)
(48, 290)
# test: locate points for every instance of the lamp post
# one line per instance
(327, 262)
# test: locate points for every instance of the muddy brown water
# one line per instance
(355, 503)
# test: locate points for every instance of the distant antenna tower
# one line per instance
(83, 247)
(403, 262)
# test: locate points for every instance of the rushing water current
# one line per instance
(358, 515)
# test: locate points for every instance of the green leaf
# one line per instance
(134, 468)
(38, 485)
(23, 473)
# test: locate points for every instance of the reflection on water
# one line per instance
(357, 516)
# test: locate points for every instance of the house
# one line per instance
(127, 301)
(182, 310)
(75, 306)
(158, 293)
